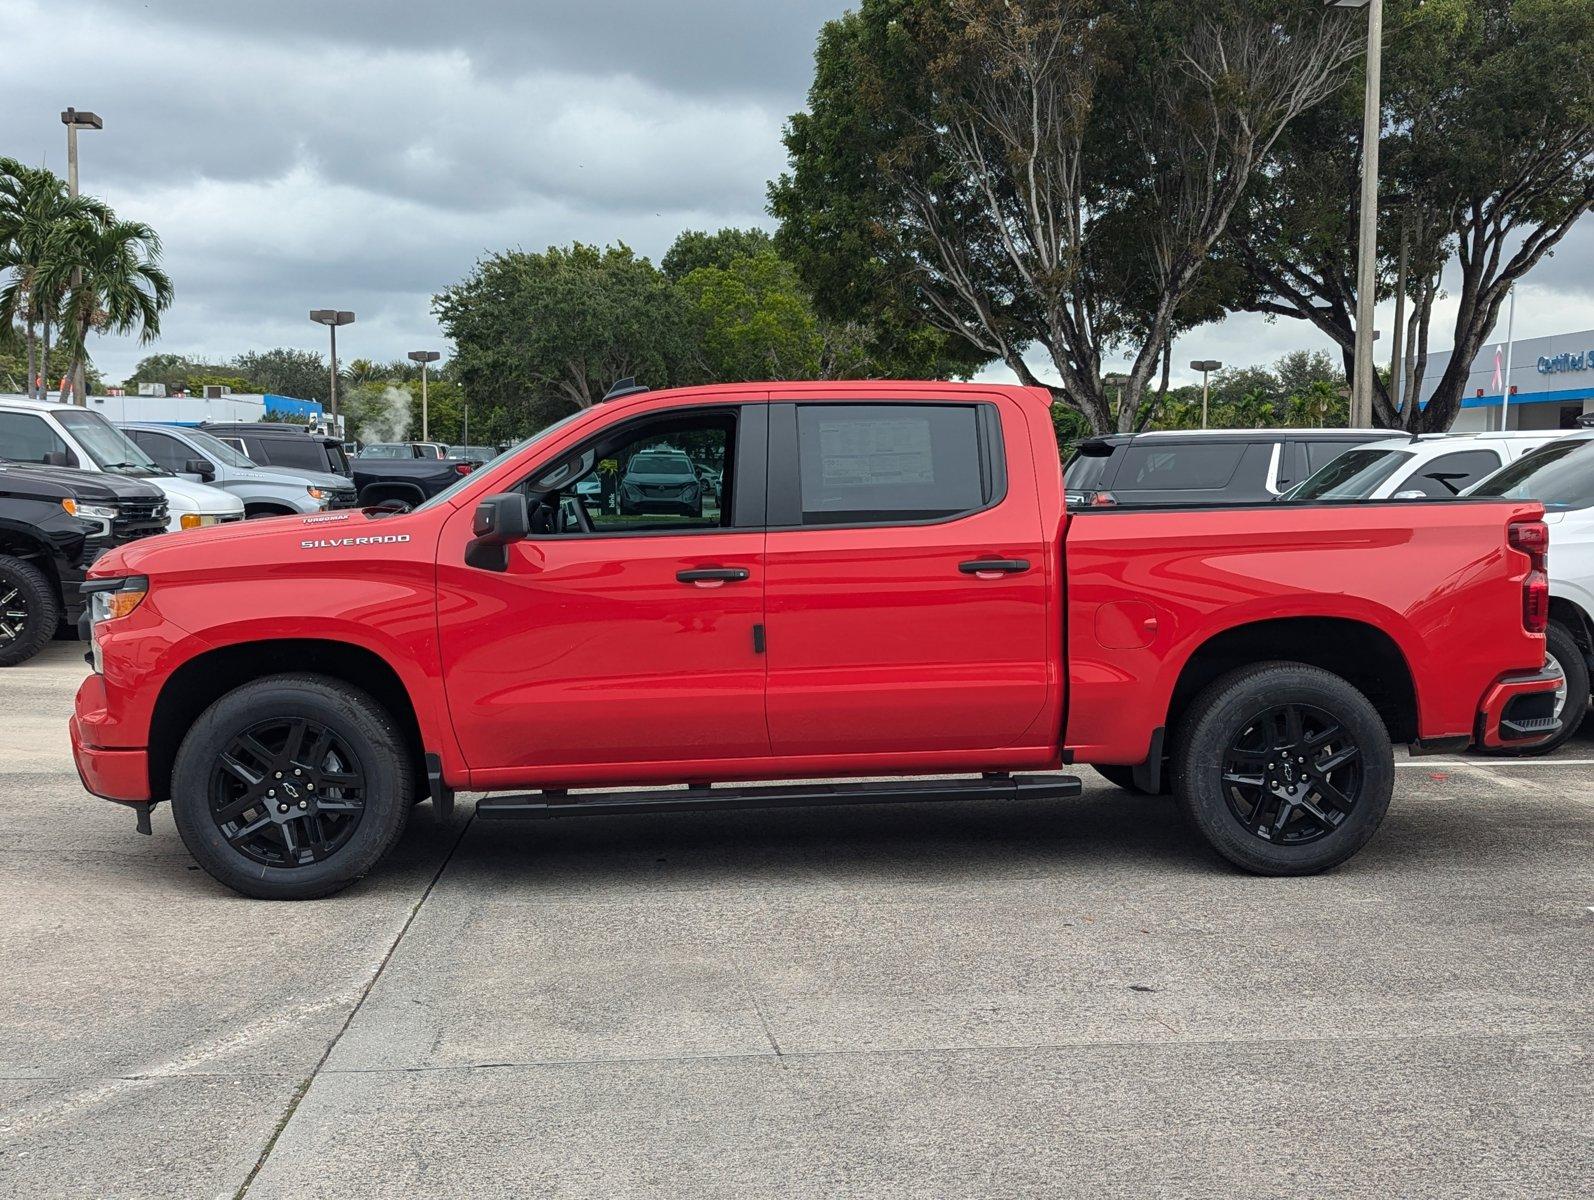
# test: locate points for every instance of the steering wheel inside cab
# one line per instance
(555, 505)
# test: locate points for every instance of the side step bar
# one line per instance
(539, 805)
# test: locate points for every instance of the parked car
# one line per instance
(265, 491)
(475, 455)
(1210, 466)
(54, 522)
(1428, 467)
(41, 431)
(394, 450)
(404, 480)
(278, 444)
(892, 588)
(659, 480)
(1560, 475)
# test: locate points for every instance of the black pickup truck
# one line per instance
(54, 522)
(381, 479)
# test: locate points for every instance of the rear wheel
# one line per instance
(29, 610)
(291, 787)
(1285, 769)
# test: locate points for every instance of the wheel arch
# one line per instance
(22, 543)
(377, 493)
(205, 678)
(1576, 619)
(268, 508)
(1359, 653)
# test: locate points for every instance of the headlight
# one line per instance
(315, 493)
(110, 599)
(98, 515)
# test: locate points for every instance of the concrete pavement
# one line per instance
(994, 999)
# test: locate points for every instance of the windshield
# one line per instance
(659, 464)
(1560, 476)
(111, 449)
(1354, 475)
(218, 449)
(443, 496)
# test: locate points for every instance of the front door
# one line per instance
(623, 629)
(907, 592)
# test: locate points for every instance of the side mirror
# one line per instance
(60, 458)
(201, 468)
(499, 520)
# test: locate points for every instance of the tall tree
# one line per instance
(34, 208)
(753, 320)
(109, 276)
(1044, 175)
(301, 374)
(538, 334)
(694, 248)
(1487, 122)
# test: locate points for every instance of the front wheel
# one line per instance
(29, 611)
(292, 787)
(1285, 769)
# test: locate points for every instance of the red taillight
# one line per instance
(1532, 538)
(462, 469)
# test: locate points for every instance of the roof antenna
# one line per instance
(623, 387)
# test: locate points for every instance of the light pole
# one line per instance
(332, 318)
(1204, 365)
(74, 120)
(1361, 402)
(423, 357)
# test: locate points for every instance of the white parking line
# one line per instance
(1491, 763)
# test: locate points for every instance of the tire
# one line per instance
(355, 836)
(1561, 648)
(1123, 777)
(30, 610)
(1315, 820)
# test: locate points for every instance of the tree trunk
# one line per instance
(33, 347)
(44, 362)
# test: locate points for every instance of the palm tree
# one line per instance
(122, 288)
(34, 205)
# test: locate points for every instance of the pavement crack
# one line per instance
(304, 1087)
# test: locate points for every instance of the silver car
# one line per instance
(265, 491)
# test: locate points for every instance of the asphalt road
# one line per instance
(1018, 999)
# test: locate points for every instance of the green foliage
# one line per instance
(301, 374)
(694, 249)
(753, 320)
(1304, 390)
(538, 334)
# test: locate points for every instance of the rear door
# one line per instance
(907, 591)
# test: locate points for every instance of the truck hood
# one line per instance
(91, 487)
(186, 496)
(278, 540)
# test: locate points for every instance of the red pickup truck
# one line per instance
(853, 580)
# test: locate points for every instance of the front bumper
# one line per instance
(1517, 711)
(121, 775)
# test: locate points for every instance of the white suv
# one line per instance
(64, 435)
(1561, 477)
(1429, 466)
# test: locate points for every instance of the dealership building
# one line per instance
(1551, 383)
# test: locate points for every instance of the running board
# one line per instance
(539, 805)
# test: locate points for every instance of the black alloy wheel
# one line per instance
(1293, 775)
(30, 610)
(287, 792)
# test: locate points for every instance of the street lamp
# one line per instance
(1361, 404)
(332, 318)
(423, 357)
(1204, 365)
(74, 120)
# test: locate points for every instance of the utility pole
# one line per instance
(74, 120)
(1361, 403)
(1204, 365)
(423, 357)
(332, 318)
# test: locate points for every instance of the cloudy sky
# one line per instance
(364, 153)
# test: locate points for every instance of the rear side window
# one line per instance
(1085, 471)
(862, 463)
(1152, 467)
(1320, 454)
(1450, 474)
(1560, 476)
(302, 452)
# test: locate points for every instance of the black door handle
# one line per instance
(713, 575)
(1006, 566)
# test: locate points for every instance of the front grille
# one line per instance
(342, 499)
(139, 519)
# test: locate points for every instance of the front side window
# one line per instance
(302, 452)
(221, 451)
(882, 464)
(27, 438)
(1560, 476)
(672, 473)
(1354, 475)
(1450, 474)
(166, 450)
